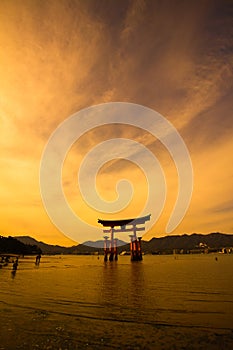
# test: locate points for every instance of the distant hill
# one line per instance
(85, 248)
(56, 249)
(46, 248)
(188, 242)
(156, 245)
(100, 243)
(11, 245)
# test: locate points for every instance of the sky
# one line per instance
(59, 57)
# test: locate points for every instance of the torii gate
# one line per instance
(135, 244)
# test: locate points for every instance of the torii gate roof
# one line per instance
(135, 221)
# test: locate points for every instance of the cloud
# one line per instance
(175, 57)
(224, 207)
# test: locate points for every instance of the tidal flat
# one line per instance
(81, 302)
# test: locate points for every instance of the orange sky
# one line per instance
(59, 57)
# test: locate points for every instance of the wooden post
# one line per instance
(139, 248)
(105, 248)
(135, 243)
(132, 246)
(115, 249)
(111, 256)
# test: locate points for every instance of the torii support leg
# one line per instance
(135, 246)
(105, 248)
(115, 249)
(131, 247)
(139, 248)
(111, 256)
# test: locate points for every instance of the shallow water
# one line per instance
(80, 302)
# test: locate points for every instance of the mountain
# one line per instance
(46, 248)
(100, 243)
(11, 245)
(161, 245)
(85, 248)
(56, 249)
(186, 242)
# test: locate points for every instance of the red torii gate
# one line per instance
(126, 225)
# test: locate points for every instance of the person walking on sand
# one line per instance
(38, 257)
(15, 265)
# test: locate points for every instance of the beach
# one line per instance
(80, 302)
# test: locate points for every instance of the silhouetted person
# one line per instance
(5, 261)
(38, 257)
(15, 265)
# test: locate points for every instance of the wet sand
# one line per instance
(82, 303)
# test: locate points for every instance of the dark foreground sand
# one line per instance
(44, 330)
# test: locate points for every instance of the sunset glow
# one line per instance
(57, 58)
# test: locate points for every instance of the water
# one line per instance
(80, 302)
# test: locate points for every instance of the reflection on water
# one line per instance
(71, 302)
